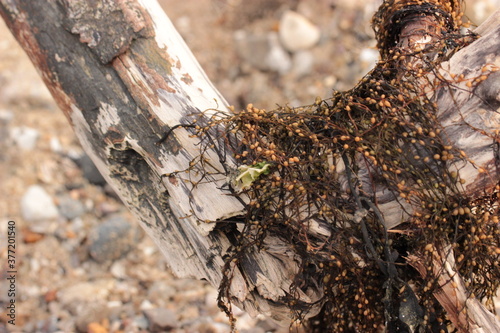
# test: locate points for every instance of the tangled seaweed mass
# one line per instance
(324, 178)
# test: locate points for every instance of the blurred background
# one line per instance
(83, 263)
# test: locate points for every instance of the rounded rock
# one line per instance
(112, 239)
(263, 52)
(303, 63)
(71, 208)
(37, 205)
(161, 319)
(25, 137)
(90, 171)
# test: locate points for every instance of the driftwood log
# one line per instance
(124, 78)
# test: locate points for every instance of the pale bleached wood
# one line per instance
(470, 119)
(470, 114)
(465, 311)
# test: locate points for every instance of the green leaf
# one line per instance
(248, 174)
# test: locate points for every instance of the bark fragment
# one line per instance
(107, 27)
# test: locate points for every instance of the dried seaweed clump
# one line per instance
(394, 15)
(320, 177)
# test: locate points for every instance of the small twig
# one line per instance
(167, 133)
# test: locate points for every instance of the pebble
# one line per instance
(126, 310)
(96, 328)
(50, 296)
(55, 145)
(161, 319)
(146, 305)
(77, 225)
(49, 324)
(191, 312)
(141, 322)
(277, 59)
(160, 292)
(31, 237)
(24, 137)
(93, 292)
(127, 290)
(90, 171)
(297, 33)
(6, 116)
(71, 208)
(118, 270)
(107, 208)
(112, 239)
(263, 52)
(37, 205)
(369, 57)
(90, 314)
(303, 62)
(208, 327)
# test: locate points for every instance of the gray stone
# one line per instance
(24, 137)
(210, 327)
(112, 239)
(263, 52)
(141, 322)
(303, 62)
(161, 319)
(297, 33)
(183, 24)
(37, 205)
(125, 310)
(277, 59)
(71, 208)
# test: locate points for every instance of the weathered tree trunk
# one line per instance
(124, 77)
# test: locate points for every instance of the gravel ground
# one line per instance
(83, 264)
